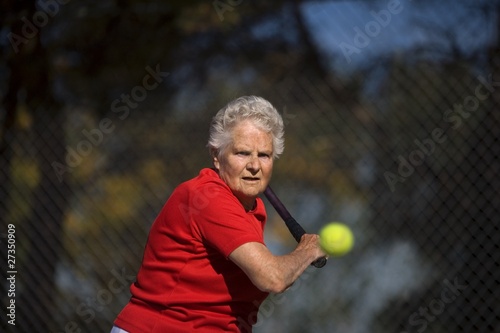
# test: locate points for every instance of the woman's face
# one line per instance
(247, 164)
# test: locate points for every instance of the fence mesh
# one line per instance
(409, 162)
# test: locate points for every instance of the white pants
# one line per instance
(117, 330)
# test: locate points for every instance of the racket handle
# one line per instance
(297, 231)
(318, 263)
(295, 228)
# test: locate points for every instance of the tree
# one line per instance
(29, 85)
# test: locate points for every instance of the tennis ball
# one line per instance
(336, 239)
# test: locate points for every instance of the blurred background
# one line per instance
(392, 122)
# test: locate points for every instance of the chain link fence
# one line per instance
(410, 164)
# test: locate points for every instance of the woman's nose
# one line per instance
(253, 164)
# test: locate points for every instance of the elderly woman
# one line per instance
(205, 266)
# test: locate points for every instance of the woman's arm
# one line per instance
(273, 273)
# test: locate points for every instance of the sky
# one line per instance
(353, 31)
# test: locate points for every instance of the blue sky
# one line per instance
(337, 23)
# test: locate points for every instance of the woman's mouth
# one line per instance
(251, 179)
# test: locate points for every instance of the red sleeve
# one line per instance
(223, 223)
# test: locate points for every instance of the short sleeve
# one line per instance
(223, 223)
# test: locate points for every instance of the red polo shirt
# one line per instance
(186, 282)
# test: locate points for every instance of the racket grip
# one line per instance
(318, 263)
(297, 231)
(295, 228)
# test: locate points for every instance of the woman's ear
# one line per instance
(215, 159)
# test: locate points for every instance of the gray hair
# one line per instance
(253, 108)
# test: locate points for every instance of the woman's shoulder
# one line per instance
(207, 182)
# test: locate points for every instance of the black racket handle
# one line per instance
(297, 231)
(318, 263)
(293, 226)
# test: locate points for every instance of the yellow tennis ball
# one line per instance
(336, 239)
